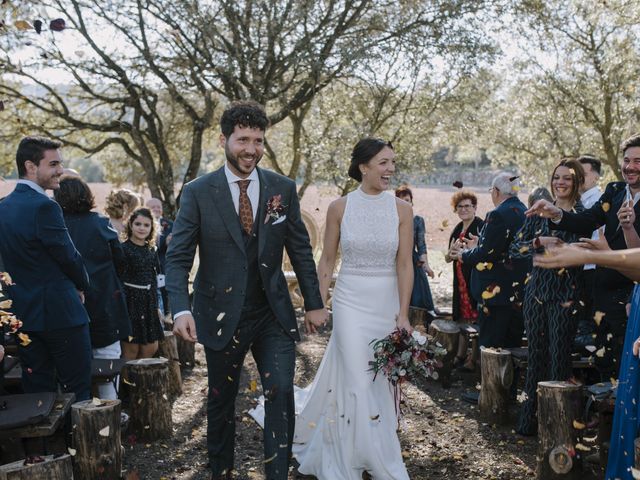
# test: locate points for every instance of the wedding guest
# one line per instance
(421, 294)
(49, 277)
(496, 280)
(551, 301)
(590, 193)
(164, 228)
(617, 210)
(119, 205)
(626, 418)
(139, 276)
(98, 243)
(464, 306)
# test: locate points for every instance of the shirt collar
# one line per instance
(636, 196)
(33, 185)
(233, 178)
(595, 190)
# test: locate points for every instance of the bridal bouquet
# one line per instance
(401, 356)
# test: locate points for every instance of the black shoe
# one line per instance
(470, 397)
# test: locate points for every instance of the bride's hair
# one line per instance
(365, 150)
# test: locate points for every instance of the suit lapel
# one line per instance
(261, 212)
(223, 202)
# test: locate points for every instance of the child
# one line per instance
(140, 285)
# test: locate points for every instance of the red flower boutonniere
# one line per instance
(275, 208)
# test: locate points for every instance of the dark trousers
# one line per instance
(500, 326)
(550, 330)
(274, 353)
(64, 353)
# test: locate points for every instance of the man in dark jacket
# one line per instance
(49, 277)
(496, 281)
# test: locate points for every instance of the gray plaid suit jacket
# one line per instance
(207, 220)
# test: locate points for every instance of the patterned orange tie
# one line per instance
(245, 211)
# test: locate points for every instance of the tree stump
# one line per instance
(418, 316)
(186, 353)
(149, 407)
(96, 439)
(54, 467)
(497, 376)
(559, 404)
(447, 334)
(168, 348)
(636, 456)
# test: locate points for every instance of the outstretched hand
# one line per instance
(565, 255)
(314, 319)
(544, 209)
(599, 243)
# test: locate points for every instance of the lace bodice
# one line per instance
(369, 234)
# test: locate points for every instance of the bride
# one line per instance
(347, 421)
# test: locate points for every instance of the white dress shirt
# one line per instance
(588, 199)
(253, 191)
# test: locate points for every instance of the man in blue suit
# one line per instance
(497, 281)
(48, 275)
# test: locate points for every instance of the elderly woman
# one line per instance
(464, 308)
(99, 245)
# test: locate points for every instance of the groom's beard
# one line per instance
(233, 160)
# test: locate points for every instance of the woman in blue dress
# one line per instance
(421, 294)
(625, 418)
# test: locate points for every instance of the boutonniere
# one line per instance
(275, 208)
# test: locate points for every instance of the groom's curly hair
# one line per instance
(243, 113)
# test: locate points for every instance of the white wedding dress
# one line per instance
(346, 421)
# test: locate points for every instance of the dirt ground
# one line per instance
(442, 437)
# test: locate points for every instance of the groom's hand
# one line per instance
(185, 327)
(315, 319)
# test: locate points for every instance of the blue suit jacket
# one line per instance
(500, 227)
(46, 267)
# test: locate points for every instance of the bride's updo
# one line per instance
(365, 150)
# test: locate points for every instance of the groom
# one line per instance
(240, 217)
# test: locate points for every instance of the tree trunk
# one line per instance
(150, 407)
(168, 349)
(447, 334)
(417, 316)
(497, 377)
(96, 439)
(559, 404)
(186, 352)
(52, 467)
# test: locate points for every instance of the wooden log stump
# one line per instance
(186, 353)
(559, 405)
(149, 407)
(447, 334)
(636, 456)
(96, 439)
(418, 316)
(53, 467)
(497, 376)
(168, 348)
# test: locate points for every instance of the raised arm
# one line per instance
(626, 262)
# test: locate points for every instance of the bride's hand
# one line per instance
(403, 323)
